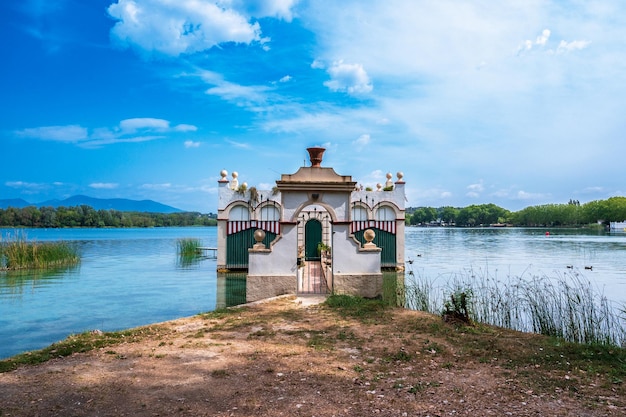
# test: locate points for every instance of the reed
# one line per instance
(188, 246)
(16, 252)
(565, 306)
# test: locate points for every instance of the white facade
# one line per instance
(313, 201)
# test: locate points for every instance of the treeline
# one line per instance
(474, 215)
(571, 214)
(86, 216)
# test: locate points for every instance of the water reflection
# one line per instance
(393, 288)
(189, 261)
(14, 283)
(231, 289)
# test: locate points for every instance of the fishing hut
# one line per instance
(315, 232)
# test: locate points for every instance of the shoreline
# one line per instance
(297, 357)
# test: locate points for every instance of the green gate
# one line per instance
(312, 237)
(384, 240)
(237, 245)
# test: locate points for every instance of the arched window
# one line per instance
(385, 213)
(359, 214)
(239, 213)
(269, 213)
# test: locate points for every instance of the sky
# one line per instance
(516, 103)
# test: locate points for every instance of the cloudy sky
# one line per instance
(517, 103)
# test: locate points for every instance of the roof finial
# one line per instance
(315, 155)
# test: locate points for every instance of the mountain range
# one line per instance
(119, 204)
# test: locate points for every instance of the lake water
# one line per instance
(133, 277)
(446, 254)
(126, 278)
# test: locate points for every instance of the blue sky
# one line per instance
(515, 103)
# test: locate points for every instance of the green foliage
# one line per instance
(423, 215)
(482, 215)
(359, 307)
(474, 215)
(546, 215)
(457, 307)
(189, 252)
(566, 307)
(572, 213)
(86, 216)
(322, 247)
(18, 253)
(188, 246)
(83, 342)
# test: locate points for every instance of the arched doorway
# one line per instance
(312, 238)
(315, 271)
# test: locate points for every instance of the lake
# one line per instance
(445, 254)
(133, 277)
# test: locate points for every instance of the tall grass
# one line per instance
(189, 252)
(188, 246)
(565, 306)
(18, 253)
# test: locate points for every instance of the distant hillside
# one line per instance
(120, 204)
(14, 202)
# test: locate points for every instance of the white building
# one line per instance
(315, 232)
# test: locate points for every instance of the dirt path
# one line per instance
(291, 357)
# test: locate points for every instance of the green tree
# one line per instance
(423, 215)
(448, 214)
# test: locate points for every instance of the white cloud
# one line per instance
(317, 64)
(189, 26)
(543, 38)
(128, 131)
(23, 184)
(285, 79)
(361, 142)
(350, 78)
(263, 8)
(476, 188)
(104, 185)
(191, 144)
(158, 187)
(565, 47)
(178, 27)
(593, 190)
(524, 195)
(244, 95)
(429, 196)
(239, 145)
(185, 128)
(70, 133)
(130, 126)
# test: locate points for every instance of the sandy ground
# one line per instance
(290, 357)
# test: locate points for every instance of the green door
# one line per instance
(312, 237)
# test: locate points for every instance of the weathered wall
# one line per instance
(364, 285)
(259, 287)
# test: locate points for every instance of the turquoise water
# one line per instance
(133, 277)
(126, 278)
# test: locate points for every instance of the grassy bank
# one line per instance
(83, 342)
(390, 342)
(19, 253)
